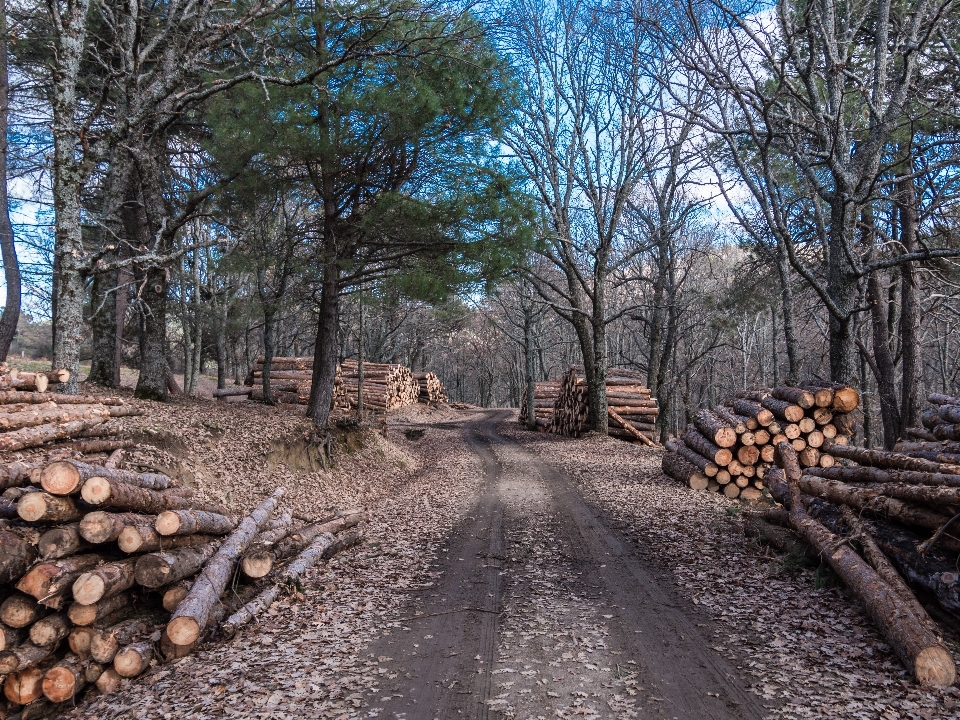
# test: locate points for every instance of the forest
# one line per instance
(716, 195)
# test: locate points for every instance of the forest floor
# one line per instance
(509, 574)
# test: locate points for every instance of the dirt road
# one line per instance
(543, 610)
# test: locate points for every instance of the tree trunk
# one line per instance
(841, 286)
(909, 307)
(154, 368)
(529, 364)
(326, 348)
(8, 250)
(789, 329)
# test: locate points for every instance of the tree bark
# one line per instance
(103, 582)
(60, 542)
(66, 476)
(85, 615)
(191, 522)
(8, 250)
(109, 493)
(155, 570)
(17, 553)
(326, 348)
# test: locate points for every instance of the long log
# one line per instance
(784, 410)
(41, 507)
(794, 395)
(107, 492)
(84, 615)
(190, 619)
(103, 581)
(50, 630)
(35, 418)
(259, 560)
(35, 436)
(947, 432)
(737, 422)
(323, 546)
(102, 527)
(155, 570)
(66, 476)
(14, 474)
(909, 636)
(707, 467)
(231, 391)
(145, 538)
(867, 474)
(12, 397)
(191, 522)
(748, 408)
(714, 429)
(50, 579)
(678, 468)
(23, 657)
(693, 439)
(89, 447)
(17, 553)
(941, 399)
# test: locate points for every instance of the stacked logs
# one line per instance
(731, 448)
(431, 390)
(385, 386)
(941, 423)
(13, 379)
(562, 407)
(106, 570)
(885, 522)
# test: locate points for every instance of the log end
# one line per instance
(129, 662)
(60, 478)
(24, 687)
(168, 523)
(934, 667)
(174, 596)
(32, 506)
(59, 684)
(699, 481)
(256, 566)
(725, 437)
(79, 640)
(95, 527)
(183, 630)
(96, 490)
(130, 539)
(82, 615)
(88, 588)
(108, 682)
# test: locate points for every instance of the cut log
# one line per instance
(13, 397)
(36, 436)
(748, 454)
(19, 611)
(102, 527)
(61, 541)
(231, 392)
(107, 492)
(845, 423)
(17, 553)
(84, 615)
(784, 410)
(103, 581)
(145, 538)
(50, 415)
(23, 657)
(715, 429)
(920, 434)
(50, 579)
(133, 659)
(885, 459)
(867, 474)
(79, 641)
(90, 447)
(11, 637)
(737, 422)
(707, 467)
(751, 409)
(809, 457)
(25, 686)
(14, 474)
(322, 546)
(947, 432)
(67, 476)
(41, 507)
(731, 491)
(107, 643)
(694, 440)
(65, 679)
(941, 399)
(797, 396)
(172, 651)
(50, 630)
(174, 595)
(190, 619)
(190, 522)
(162, 568)
(108, 682)
(917, 647)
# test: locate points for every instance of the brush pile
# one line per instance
(105, 571)
(730, 449)
(562, 406)
(885, 522)
(386, 386)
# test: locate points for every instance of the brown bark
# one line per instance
(133, 659)
(84, 615)
(104, 581)
(11, 637)
(678, 468)
(48, 580)
(65, 679)
(784, 410)
(23, 657)
(867, 474)
(797, 396)
(50, 630)
(748, 408)
(162, 568)
(17, 552)
(707, 467)
(35, 436)
(697, 442)
(145, 538)
(55, 415)
(107, 492)
(191, 617)
(41, 507)
(191, 522)
(884, 459)
(102, 527)
(66, 476)
(715, 429)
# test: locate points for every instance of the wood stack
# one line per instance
(941, 423)
(96, 562)
(563, 405)
(431, 390)
(13, 379)
(884, 522)
(385, 386)
(290, 379)
(731, 448)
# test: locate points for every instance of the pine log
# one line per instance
(751, 409)
(49, 579)
(23, 657)
(14, 474)
(108, 682)
(947, 432)
(17, 553)
(697, 442)
(807, 425)
(25, 686)
(231, 391)
(324, 545)
(731, 490)
(61, 541)
(19, 611)
(175, 594)
(66, 477)
(50, 630)
(708, 468)
(35, 436)
(921, 434)
(737, 422)
(809, 457)
(104, 581)
(145, 538)
(107, 492)
(893, 460)
(83, 615)
(65, 679)
(941, 399)
(50, 415)
(923, 451)
(172, 651)
(919, 650)
(845, 423)
(13, 397)
(797, 396)
(784, 410)
(190, 619)
(155, 570)
(102, 527)
(868, 474)
(41, 507)
(10, 636)
(133, 659)
(191, 522)
(748, 454)
(761, 437)
(90, 447)
(678, 468)
(714, 428)
(79, 641)
(107, 643)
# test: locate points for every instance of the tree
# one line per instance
(8, 251)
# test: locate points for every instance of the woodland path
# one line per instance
(540, 604)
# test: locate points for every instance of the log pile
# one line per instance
(13, 379)
(562, 406)
(431, 389)
(385, 386)
(731, 448)
(105, 571)
(940, 423)
(884, 521)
